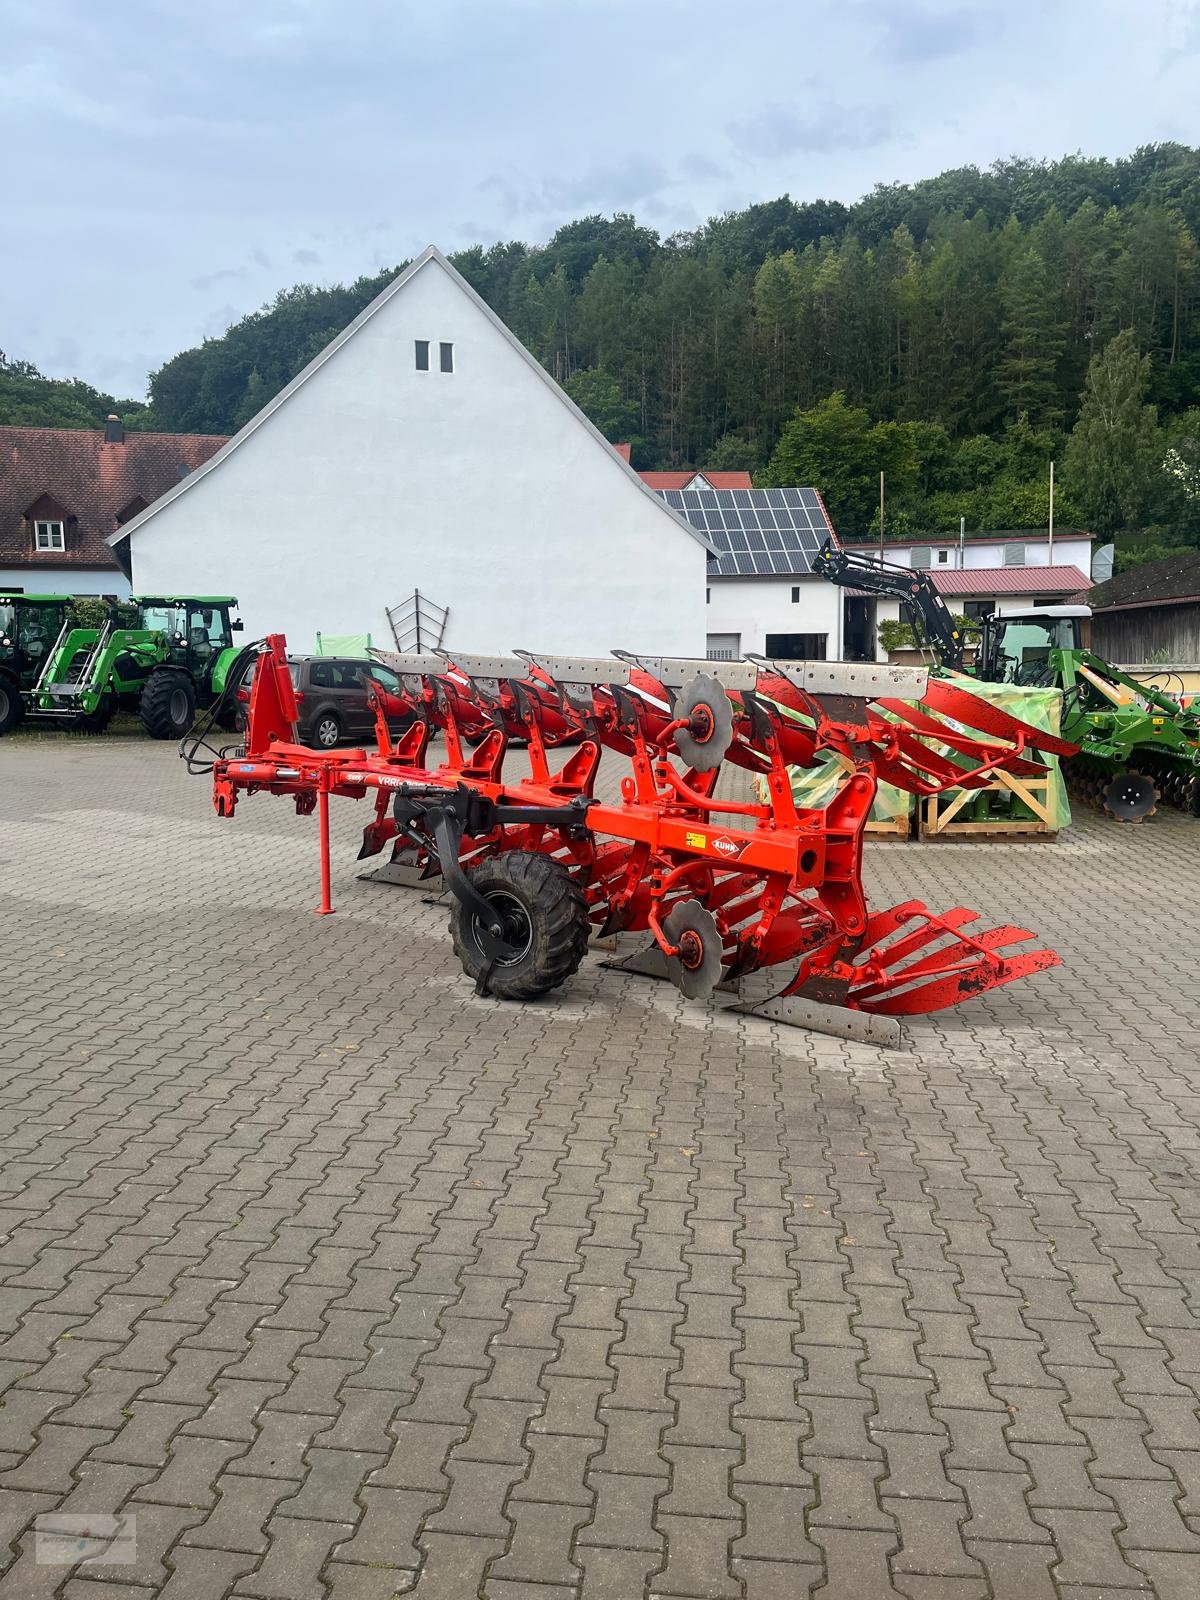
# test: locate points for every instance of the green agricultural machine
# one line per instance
(1137, 745)
(29, 625)
(161, 656)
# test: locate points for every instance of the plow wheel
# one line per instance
(696, 970)
(1130, 797)
(707, 737)
(543, 920)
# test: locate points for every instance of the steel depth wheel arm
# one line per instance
(449, 816)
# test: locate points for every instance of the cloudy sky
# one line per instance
(172, 163)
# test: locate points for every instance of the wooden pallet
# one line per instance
(939, 812)
(900, 827)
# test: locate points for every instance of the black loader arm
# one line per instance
(915, 590)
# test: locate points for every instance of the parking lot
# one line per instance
(333, 1278)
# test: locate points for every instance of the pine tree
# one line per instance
(1113, 452)
(1033, 340)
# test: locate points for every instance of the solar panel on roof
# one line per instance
(757, 532)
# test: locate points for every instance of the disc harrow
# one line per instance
(760, 901)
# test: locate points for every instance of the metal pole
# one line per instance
(962, 541)
(881, 516)
(1050, 549)
(326, 906)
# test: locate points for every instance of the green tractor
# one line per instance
(1137, 745)
(29, 625)
(161, 656)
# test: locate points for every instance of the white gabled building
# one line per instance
(425, 449)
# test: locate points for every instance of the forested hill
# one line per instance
(967, 301)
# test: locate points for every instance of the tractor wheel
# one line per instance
(168, 705)
(545, 920)
(12, 707)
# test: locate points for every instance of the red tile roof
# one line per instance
(625, 451)
(90, 482)
(985, 581)
(680, 480)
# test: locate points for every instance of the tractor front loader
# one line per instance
(760, 902)
(158, 657)
(29, 625)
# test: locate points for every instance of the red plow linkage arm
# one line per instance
(760, 899)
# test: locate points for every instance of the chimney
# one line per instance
(114, 433)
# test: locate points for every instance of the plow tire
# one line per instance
(168, 705)
(537, 899)
(12, 707)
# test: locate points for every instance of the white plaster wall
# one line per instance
(754, 607)
(480, 488)
(886, 610)
(1067, 553)
(65, 580)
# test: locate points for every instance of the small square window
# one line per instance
(49, 536)
(422, 348)
(943, 556)
(796, 594)
(447, 356)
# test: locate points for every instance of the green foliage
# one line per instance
(835, 445)
(895, 635)
(598, 395)
(944, 332)
(1114, 454)
(88, 611)
(27, 399)
(732, 454)
(1034, 338)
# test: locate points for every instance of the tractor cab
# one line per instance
(29, 625)
(1025, 647)
(197, 629)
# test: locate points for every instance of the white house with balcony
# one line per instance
(977, 575)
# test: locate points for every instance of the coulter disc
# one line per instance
(709, 733)
(696, 970)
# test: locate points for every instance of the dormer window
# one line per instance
(127, 513)
(49, 536)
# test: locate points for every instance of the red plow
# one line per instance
(761, 900)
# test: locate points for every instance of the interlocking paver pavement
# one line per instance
(343, 1281)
